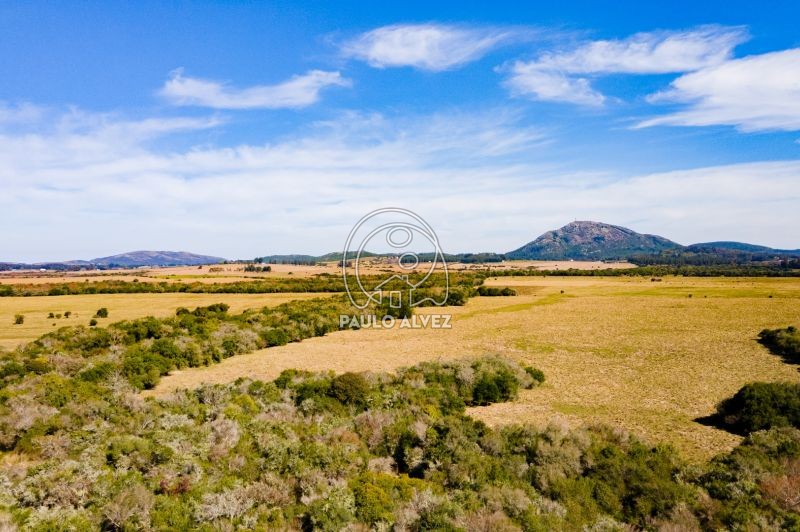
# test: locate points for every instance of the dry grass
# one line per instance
(628, 352)
(234, 273)
(120, 307)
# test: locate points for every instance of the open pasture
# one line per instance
(234, 273)
(650, 357)
(120, 307)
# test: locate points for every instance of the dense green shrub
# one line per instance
(456, 298)
(784, 342)
(101, 313)
(491, 291)
(535, 374)
(97, 372)
(762, 405)
(350, 389)
(274, 337)
(19, 319)
(494, 388)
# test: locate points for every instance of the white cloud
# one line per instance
(433, 47)
(554, 76)
(299, 91)
(755, 93)
(658, 52)
(529, 79)
(22, 113)
(73, 191)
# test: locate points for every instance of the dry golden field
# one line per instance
(234, 273)
(120, 307)
(623, 351)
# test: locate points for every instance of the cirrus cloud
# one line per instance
(556, 76)
(90, 183)
(755, 93)
(299, 91)
(433, 47)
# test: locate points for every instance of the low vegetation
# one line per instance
(318, 451)
(145, 349)
(321, 283)
(660, 270)
(492, 291)
(783, 342)
(761, 405)
(328, 283)
(83, 450)
(765, 405)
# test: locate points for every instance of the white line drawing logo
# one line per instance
(396, 227)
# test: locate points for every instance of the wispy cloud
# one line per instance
(556, 76)
(433, 47)
(22, 113)
(530, 80)
(302, 194)
(299, 91)
(755, 93)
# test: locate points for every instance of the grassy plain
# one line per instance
(120, 307)
(234, 273)
(647, 356)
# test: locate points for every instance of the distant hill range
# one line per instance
(133, 259)
(579, 240)
(595, 241)
(156, 258)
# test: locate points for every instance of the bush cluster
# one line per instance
(783, 342)
(762, 405)
(491, 291)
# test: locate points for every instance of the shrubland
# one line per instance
(143, 350)
(82, 450)
(356, 451)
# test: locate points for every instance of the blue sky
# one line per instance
(243, 129)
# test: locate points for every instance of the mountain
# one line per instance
(591, 241)
(155, 258)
